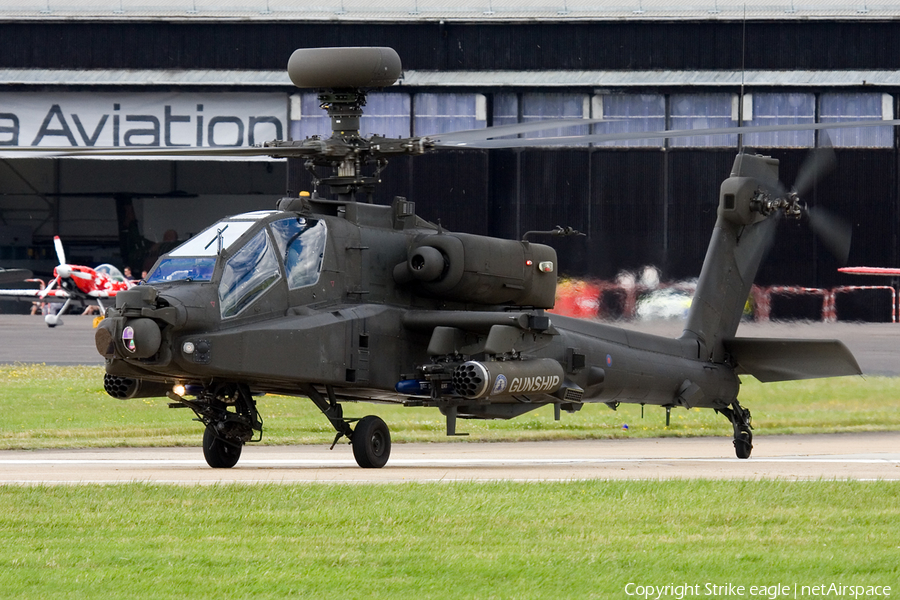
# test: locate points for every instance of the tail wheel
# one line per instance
(743, 444)
(218, 453)
(371, 442)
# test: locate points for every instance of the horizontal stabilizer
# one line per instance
(787, 360)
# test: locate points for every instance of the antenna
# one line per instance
(743, 66)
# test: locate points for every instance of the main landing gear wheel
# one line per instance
(218, 453)
(740, 421)
(743, 443)
(371, 442)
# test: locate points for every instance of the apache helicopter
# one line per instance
(345, 301)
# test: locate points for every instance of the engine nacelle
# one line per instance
(481, 270)
(482, 379)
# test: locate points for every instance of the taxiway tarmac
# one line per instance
(841, 456)
(859, 456)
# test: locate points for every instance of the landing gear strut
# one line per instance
(740, 420)
(226, 430)
(370, 439)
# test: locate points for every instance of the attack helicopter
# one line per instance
(344, 301)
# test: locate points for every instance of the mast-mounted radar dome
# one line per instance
(343, 68)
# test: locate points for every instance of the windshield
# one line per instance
(110, 271)
(206, 243)
(183, 269)
(195, 259)
(247, 274)
(301, 245)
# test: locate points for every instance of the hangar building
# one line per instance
(212, 73)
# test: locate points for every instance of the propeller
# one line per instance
(62, 269)
(60, 252)
(834, 232)
(817, 164)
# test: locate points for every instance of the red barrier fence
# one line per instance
(852, 288)
(586, 300)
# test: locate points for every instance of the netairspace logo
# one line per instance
(771, 592)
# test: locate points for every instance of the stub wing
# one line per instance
(788, 360)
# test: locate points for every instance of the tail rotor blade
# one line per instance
(817, 165)
(834, 232)
(60, 253)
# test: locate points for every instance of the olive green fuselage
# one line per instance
(378, 314)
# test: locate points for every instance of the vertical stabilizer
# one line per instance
(740, 239)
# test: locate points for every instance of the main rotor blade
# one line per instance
(818, 163)
(479, 139)
(668, 134)
(8, 276)
(60, 252)
(88, 151)
(834, 232)
(466, 136)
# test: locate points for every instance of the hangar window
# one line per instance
(301, 245)
(858, 107)
(386, 114)
(506, 109)
(440, 113)
(764, 109)
(307, 119)
(247, 274)
(702, 111)
(537, 107)
(629, 113)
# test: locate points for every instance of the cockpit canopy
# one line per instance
(110, 271)
(273, 248)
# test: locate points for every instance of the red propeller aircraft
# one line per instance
(75, 283)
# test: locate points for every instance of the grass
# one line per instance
(61, 407)
(459, 540)
(455, 540)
